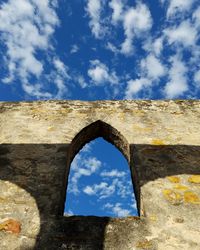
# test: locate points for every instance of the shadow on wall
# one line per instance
(40, 170)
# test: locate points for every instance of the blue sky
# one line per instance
(100, 182)
(99, 49)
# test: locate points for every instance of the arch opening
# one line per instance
(100, 183)
(113, 136)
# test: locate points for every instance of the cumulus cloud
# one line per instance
(197, 78)
(60, 67)
(177, 6)
(136, 21)
(105, 189)
(177, 84)
(74, 49)
(24, 32)
(153, 67)
(81, 80)
(27, 27)
(94, 9)
(196, 17)
(158, 46)
(151, 70)
(112, 48)
(154, 46)
(184, 34)
(117, 210)
(135, 86)
(100, 73)
(82, 167)
(113, 173)
(117, 7)
(35, 90)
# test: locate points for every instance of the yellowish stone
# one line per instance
(153, 217)
(50, 128)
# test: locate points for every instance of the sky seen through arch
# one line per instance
(100, 182)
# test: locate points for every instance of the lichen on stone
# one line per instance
(181, 187)
(172, 196)
(174, 179)
(158, 142)
(191, 197)
(145, 244)
(11, 226)
(194, 179)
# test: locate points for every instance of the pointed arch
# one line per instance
(95, 130)
(108, 133)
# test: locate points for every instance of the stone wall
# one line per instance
(161, 142)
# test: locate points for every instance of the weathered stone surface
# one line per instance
(160, 140)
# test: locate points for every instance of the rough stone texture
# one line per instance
(161, 142)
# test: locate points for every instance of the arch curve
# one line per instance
(108, 133)
(95, 130)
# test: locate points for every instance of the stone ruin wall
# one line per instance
(161, 141)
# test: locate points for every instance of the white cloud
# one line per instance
(103, 190)
(89, 190)
(136, 21)
(59, 77)
(60, 67)
(124, 188)
(133, 203)
(154, 46)
(151, 70)
(113, 173)
(82, 166)
(81, 81)
(153, 67)
(87, 148)
(69, 213)
(74, 49)
(135, 86)
(184, 34)
(158, 46)
(100, 74)
(196, 17)
(117, 210)
(27, 27)
(197, 78)
(24, 33)
(117, 7)
(178, 6)
(177, 85)
(35, 90)
(94, 9)
(112, 48)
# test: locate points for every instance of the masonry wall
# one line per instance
(161, 142)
